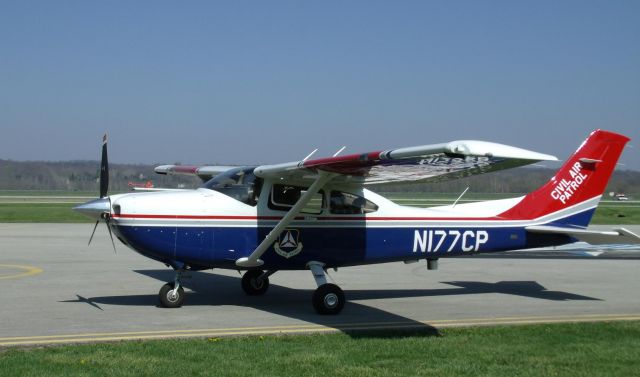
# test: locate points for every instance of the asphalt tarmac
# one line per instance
(56, 289)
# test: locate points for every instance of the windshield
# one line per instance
(239, 183)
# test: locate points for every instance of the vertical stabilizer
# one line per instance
(570, 197)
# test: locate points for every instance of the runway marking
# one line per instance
(304, 329)
(28, 271)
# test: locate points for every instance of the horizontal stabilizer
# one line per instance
(204, 172)
(594, 237)
(153, 189)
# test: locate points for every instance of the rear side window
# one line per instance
(345, 203)
(284, 197)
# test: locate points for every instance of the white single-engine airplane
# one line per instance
(317, 214)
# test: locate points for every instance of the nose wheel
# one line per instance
(172, 294)
(256, 282)
(171, 297)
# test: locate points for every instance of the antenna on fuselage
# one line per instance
(340, 151)
(460, 197)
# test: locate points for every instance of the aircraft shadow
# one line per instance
(209, 289)
(530, 289)
(217, 290)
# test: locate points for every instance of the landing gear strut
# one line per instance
(328, 298)
(172, 294)
(256, 282)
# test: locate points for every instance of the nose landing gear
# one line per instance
(256, 282)
(172, 294)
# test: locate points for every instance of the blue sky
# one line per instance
(267, 82)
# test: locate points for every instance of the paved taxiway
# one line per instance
(55, 289)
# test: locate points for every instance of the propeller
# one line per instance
(104, 169)
(100, 209)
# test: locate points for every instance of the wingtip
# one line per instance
(490, 149)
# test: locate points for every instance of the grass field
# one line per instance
(90, 194)
(40, 213)
(620, 214)
(586, 349)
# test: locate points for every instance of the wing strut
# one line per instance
(254, 260)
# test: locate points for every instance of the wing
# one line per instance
(204, 172)
(427, 163)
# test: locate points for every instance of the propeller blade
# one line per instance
(94, 232)
(104, 169)
(111, 236)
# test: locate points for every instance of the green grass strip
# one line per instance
(609, 215)
(40, 213)
(580, 349)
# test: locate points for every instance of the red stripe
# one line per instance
(407, 218)
(332, 218)
(353, 164)
(192, 217)
(362, 159)
(185, 169)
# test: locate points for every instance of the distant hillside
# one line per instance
(82, 176)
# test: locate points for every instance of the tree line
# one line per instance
(82, 176)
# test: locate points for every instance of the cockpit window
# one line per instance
(347, 203)
(240, 184)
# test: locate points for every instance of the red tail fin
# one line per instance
(583, 177)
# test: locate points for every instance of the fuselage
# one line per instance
(205, 228)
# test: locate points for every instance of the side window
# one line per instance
(284, 197)
(346, 203)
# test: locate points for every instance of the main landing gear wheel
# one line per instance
(255, 283)
(170, 297)
(328, 299)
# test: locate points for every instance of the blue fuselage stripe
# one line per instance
(220, 247)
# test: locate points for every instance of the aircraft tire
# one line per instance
(328, 299)
(167, 299)
(253, 286)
